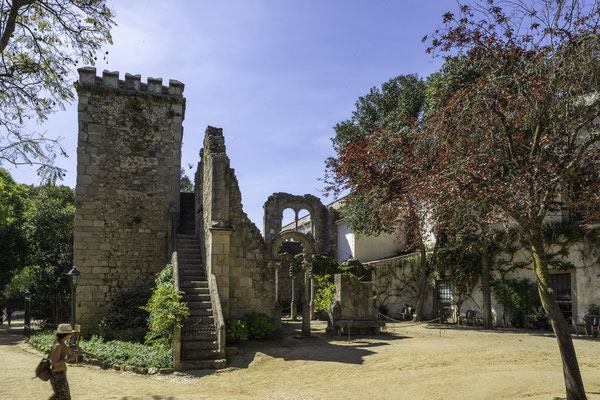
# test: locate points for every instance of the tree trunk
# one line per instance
(572, 375)
(421, 283)
(488, 322)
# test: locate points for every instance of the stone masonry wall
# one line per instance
(252, 282)
(234, 249)
(128, 165)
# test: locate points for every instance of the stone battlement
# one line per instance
(154, 86)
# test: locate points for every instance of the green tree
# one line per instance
(41, 41)
(49, 230)
(49, 225)
(13, 203)
(186, 185)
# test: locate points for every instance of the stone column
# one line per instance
(312, 297)
(218, 249)
(293, 311)
(306, 305)
(277, 265)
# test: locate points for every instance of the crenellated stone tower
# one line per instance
(128, 168)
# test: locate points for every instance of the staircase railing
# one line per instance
(217, 313)
(177, 329)
(173, 212)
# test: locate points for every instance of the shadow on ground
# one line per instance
(9, 339)
(564, 398)
(289, 347)
(496, 331)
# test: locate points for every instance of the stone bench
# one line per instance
(354, 327)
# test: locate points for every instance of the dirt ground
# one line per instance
(409, 362)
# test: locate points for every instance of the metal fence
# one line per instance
(43, 312)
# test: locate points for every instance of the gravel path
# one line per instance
(411, 362)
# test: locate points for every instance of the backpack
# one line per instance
(42, 371)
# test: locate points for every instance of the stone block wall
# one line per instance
(235, 251)
(128, 166)
(356, 298)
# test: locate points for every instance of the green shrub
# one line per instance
(519, 299)
(125, 315)
(166, 309)
(114, 351)
(236, 330)
(356, 268)
(43, 340)
(324, 292)
(323, 265)
(136, 354)
(260, 326)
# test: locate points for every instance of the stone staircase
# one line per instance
(199, 346)
(187, 214)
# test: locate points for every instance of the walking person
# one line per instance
(9, 314)
(60, 354)
(3, 316)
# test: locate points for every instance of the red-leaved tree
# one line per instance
(516, 123)
(381, 169)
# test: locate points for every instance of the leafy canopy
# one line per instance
(41, 41)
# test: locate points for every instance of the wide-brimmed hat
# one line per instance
(64, 328)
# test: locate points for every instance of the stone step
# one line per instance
(204, 364)
(185, 278)
(199, 324)
(210, 335)
(187, 236)
(189, 247)
(190, 242)
(199, 304)
(189, 254)
(189, 270)
(195, 291)
(194, 284)
(191, 265)
(192, 271)
(201, 312)
(199, 345)
(197, 277)
(204, 332)
(200, 354)
(196, 297)
(194, 255)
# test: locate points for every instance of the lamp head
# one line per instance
(75, 276)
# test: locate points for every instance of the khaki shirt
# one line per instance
(60, 354)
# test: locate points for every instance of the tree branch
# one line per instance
(11, 21)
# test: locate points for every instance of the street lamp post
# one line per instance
(75, 276)
(27, 317)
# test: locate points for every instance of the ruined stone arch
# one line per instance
(305, 241)
(278, 202)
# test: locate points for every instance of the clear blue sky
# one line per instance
(276, 75)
